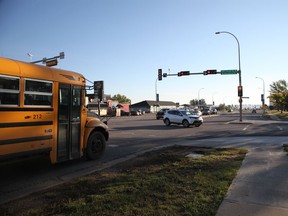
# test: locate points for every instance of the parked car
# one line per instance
(206, 112)
(196, 112)
(135, 113)
(124, 113)
(184, 117)
(160, 113)
(214, 111)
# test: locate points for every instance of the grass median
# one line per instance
(163, 182)
(281, 115)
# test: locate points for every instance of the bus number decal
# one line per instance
(37, 116)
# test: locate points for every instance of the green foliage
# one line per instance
(121, 98)
(221, 107)
(279, 94)
(196, 102)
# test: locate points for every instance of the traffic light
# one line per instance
(208, 72)
(262, 98)
(99, 89)
(183, 73)
(240, 91)
(159, 74)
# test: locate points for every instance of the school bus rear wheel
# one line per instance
(96, 146)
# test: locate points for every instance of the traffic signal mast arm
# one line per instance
(187, 73)
(181, 73)
(207, 72)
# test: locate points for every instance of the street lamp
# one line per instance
(263, 99)
(240, 82)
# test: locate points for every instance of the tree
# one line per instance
(221, 107)
(279, 94)
(279, 86)
(121, 98)
(196, 102)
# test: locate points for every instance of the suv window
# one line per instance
(174, 112)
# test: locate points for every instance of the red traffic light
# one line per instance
(183, 73)
(208, 72)
(240, 91)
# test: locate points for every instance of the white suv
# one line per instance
(184, 117)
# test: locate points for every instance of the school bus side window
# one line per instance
(9, 90)
(38, 93)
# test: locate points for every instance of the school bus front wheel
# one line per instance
(95, 146)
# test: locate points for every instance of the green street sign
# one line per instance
(226, 72)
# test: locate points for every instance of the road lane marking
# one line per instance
(280, 128)
(246, 127)
(113, 146)
(127, 133)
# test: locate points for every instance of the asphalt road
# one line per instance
(129, 136)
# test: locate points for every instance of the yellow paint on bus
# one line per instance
(42, 110)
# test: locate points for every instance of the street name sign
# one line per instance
(227, 72)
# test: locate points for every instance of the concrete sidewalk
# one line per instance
(261, 185)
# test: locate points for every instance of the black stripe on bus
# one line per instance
(26, 139)
(25, 153)
(25, 124)
(17, 109)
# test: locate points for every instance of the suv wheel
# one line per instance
(185, 123)
(167, 122)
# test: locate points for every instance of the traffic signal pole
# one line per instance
(240, 80)
(211, 72)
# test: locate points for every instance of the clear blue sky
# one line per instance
(125, 42)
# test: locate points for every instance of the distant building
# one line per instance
(152, 106)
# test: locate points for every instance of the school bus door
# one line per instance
(69, 118)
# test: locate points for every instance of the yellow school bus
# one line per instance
(42, 110)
